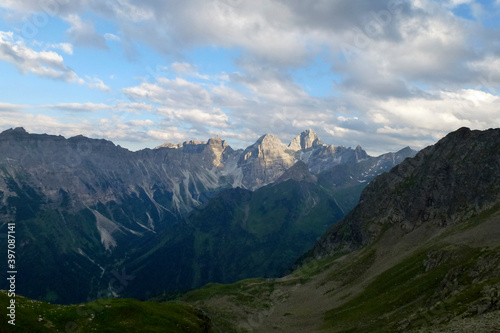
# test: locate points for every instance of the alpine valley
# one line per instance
(94, 219)
(417, 251)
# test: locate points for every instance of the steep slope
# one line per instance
(84, 207)
(305, 140)
(264, 161)
(237, 234)
(268, 158)
(81, 204)
(348, 180)
(420, 253)
(446, 183)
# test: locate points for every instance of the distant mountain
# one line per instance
(237, 234)
(85, 207)
(419, 253)
(444, 184)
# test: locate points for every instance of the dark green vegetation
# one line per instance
(435, 283)
(236, 235)
(88, 212)
(105, 315)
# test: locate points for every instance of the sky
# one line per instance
(383, 74)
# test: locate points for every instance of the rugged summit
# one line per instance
(451, 181)
(305, 140)
(264, 161)
(87, 206)
(420, 253)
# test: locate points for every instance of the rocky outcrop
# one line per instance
(88, 205)
(299, 172)
(305, 140)
(451, 181)
(264, 161)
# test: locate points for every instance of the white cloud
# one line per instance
(409, 80)
(81, 107)
(11, 107)
(183, 101)
(211, 118)
(168, 134)
(455, 3)
(45, 64)
(84, 33)
(98, 84)
(137, 122)
(111, 37)
(65, 47)
(184, 68)
(95, 107)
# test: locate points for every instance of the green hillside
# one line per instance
(105, 315)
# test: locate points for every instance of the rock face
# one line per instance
(86, 205)
(451, 181)
(298, 172)
(305, 140)
(264, 161)
(80, 172)
(236, 235)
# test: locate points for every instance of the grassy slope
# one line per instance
(430, 278)
(112, 315)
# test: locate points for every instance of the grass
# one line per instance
(410, 290)
(107, 315)
(248, 292)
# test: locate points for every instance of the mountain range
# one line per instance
(174, 217)
(419, 253)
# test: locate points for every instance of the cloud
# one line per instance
(184, 68)
(111, 37)
(84, 33)
(65, 47)
(95, 107)
(177, 93)
(168, 134)
(405, 71)
(98, 84)
(186, 102)
(81, 107)
(45, 64)
(6, 107)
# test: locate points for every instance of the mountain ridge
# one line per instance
(102, 202)
(397, 262)
(431, 206)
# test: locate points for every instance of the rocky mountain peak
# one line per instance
(217, 143)
(167, 145)
(360, 153)
(446, 183)
(214, 141)
(19, 130)
(305, 140)
(298, 172)
(14, 131)
(268, 140)
(264, 161)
